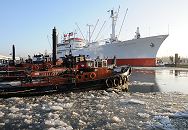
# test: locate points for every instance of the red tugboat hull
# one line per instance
(69, 84)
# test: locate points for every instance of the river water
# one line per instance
(159, 79)
(157, 99)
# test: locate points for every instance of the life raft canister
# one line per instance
(93, 75)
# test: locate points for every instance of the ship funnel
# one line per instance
(54, 42)
(13, 54)
(112, 13)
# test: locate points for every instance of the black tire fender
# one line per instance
(109, 83)
(116, 81)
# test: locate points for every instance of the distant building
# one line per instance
(6, 59)
(171, 60)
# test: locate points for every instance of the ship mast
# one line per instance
(114, 18)
(89, 26)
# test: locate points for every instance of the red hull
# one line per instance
(144, 62)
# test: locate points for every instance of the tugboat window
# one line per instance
(104, 63)
(96, 64)
(99, 64)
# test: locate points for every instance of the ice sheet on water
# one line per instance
(13, 99)
(142, 83)
(161, 122)
(182, 114)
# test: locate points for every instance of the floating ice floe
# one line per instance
(53, 116)
(100, 106)
(144, 115)
(61, 128)
(55, 122)
(60, 100)
(28, 121)
(99, 112)
(13, 109)
(2, 106)
(1, 114)
(56, 108)
(75, 114)
(116, 119)
(81, 122)
(67, 105)
(1, 124)
(34, 105)
(13, 115)
(132, 101)
(105, 98)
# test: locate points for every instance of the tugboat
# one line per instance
(76, 73)
(79, 74)
(38, 65)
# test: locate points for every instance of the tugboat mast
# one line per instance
(54, 40)
(13, 54)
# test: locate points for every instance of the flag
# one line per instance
(65, 35)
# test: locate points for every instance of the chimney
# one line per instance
(54, 42)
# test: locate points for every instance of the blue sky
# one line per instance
(29, 24)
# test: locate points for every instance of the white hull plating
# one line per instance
(142, 48)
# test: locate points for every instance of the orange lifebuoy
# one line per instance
(92, 75)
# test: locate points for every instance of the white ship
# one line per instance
(136, 52)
